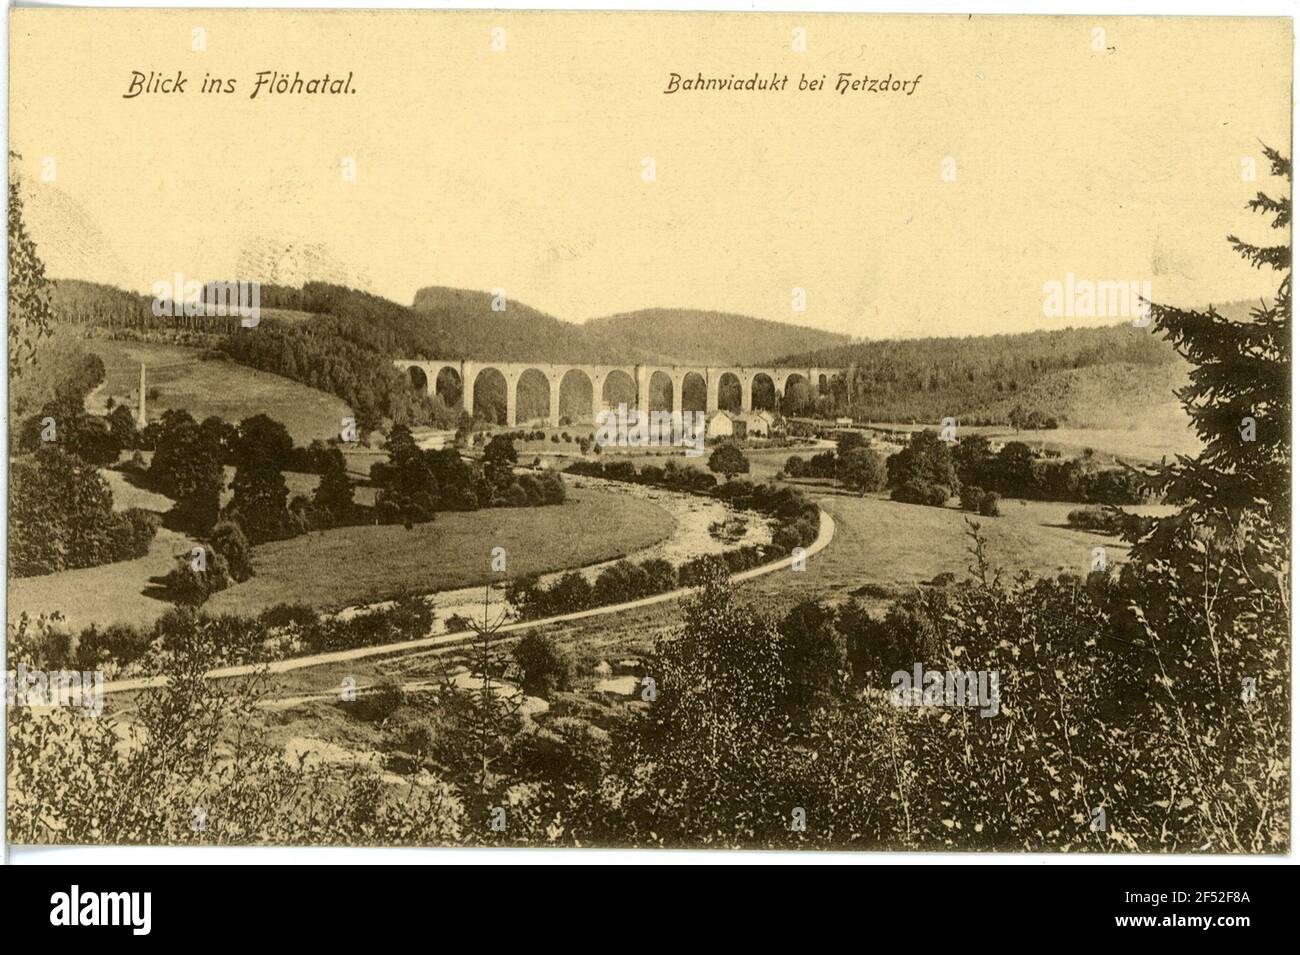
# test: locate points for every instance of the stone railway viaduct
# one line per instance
(425, 373)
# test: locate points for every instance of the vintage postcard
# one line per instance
(649, 430)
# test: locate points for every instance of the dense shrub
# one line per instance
(813, 658)
(133, 533)
(553, 490)
(196, 578)
(379, 702)
(288, 615)
(570, 593)
(229, 541)
(982, 502)
(408, 617)
(65, 424)
(727, 459)
(799, 533)
(621, 581)
(861, 469)
(1110, 520)
(926, 461)
(61, 517)
(119, 643)
(543, 666)
(931, 495)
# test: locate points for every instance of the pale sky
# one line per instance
(523, 169)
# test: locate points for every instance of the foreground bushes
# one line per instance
(752, 715)
(75, 780)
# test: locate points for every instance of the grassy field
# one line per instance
(352, 565)
(1154, 431)
(214, 387)
(898, 546)
(109, 593)
(877, 541)
(355, 564)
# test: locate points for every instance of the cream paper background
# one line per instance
(522, 169)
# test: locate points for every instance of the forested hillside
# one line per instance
(342, 341)
(342, 347)
(987, 379)
(460, 323)
(690, 336)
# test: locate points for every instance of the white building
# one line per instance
(758, 424)
(720, 424)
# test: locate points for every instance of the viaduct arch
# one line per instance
(771, 379)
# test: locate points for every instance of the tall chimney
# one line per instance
(141, 420)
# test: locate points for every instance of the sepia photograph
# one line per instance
(818, 433)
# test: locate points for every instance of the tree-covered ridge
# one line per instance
(696, 336)
(464, 324)
(979, 375)
(461, 323)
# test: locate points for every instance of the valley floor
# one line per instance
(351, 565)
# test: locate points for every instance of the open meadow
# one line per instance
(365, 563)
(372, 563)
(205, 386)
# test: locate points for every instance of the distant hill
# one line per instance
(984, 379)
(1113, 395)
(691, 336)
(341, 340)
(456, 323)
(466, 321)
(460, 323)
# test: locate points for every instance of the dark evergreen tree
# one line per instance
(187, 467)
(334, 495)
(264, 442)
(122, 423)
(499, 458)
(259, 504)
(1239, 396)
